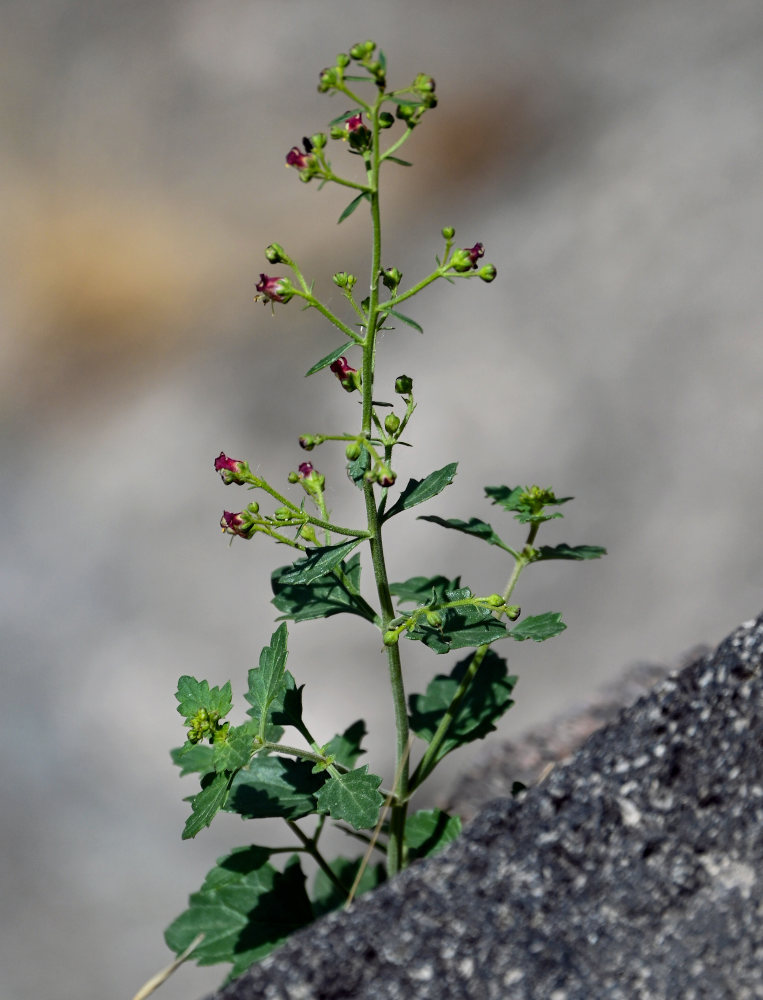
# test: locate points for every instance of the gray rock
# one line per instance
(632, 872)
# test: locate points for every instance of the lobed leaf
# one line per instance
(358, 467)
(419, 490)
(539, 627)
(236, 749)
(194, 695)
(206, 804)
(193, 758)
(474, 526)
(244, 909)
(318, 562)
(352, 797)
(274, 786)
(487, 699)
(266, 682)
(424, 589)
(346, 747)
(428, 831)
(331, 594)
(325, 362)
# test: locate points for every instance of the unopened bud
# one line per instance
(353, 450)
(434, 618)
(386, 120)
(513, 612)
(391, 638)
(391, 423)
(403, 385)
(307, 442)
(448, 232)
(275, 254)
(293, 477)
(487, 272)
(391, 278)
(495, 601)
(342, 60)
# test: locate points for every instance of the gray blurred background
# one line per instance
(609, 157)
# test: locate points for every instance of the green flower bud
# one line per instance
(353, 450)
(487, 272)
(448, 232)
(344, 280)
(386, 120)
(403, 385)
(513, 612)
(293, 477)
(275, 254)
(391, 278)
(391, 423)
(283, 513)
(495, 601)
(434, 618)
(362, 50)
(423, 84)
(342, 60)
(329, 79)
(318, 140)
(307, 531)
(391, 638)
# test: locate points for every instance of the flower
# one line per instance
(305, 469)
(475, 253)
(466, 259)
(233, 524)
(348, 376)
(231, 470)
(273, 289)
(354, 123)
(306, 162)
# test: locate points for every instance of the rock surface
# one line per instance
(632, 872)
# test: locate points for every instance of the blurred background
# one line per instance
(608, 155)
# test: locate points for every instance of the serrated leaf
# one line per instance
(527, 508)
(460, 628)
(286, 709)
(419, 490)
(318, 562)
(193, 695)
(486, 700)
(346, 747)
(539, 627)
(244, 909)
(274, 786)
(404, 319)
(331, 594)
(570, 552)
(352, 206)
(474, 526)
(236, 749)
(327, 896)
(424, 589)
(352, 797)
(358, 467)
(338, 352)
(266, 682)
(206, 804)
(193, 758)
(428, 831)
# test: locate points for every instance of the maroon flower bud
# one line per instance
(354, 123)
(307, 442)
(348, 376)
(273, 289)
(357, 133)
(305, 469)
(312, 481)
(387, 477)
(306, 162)
(231, 470)
(466, 259)
(234, 524)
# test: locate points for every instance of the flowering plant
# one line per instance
(271, 764)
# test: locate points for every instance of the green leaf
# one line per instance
(474, 526)
(244, 909)
(527, 502)
(345, 747)
(353, 205)
(326, 895)
(403, 319)
(193, 758)
(460, 627)
(486, 700)
(358, 467)
(428, 831)
(274, 786)
(206, 804)
(318, 562)
(419, 490)
(539, 627)
(286, 709)
(406, 100)
(347, 114)
(424, 589)
(570, 552)
(194, 695)
(236, 749)
(325, 362)
(266, 682)
(396, 159)
(331, 594)
(353, 797)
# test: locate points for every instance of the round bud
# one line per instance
(318, 140)
(342, 60)
(513, 612)
(448, 232)
(328, 79)
(283, 513)
(434, 618)
(495, 601)
(487, 272)
(253, 508)
(391, 423)
(391, 638)
(307, 442)
(353, 450)
(293, 477)
(386, 120)
(403, 385)
(274, 253)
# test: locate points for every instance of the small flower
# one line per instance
(305, 469)
(466, 259)
(348, 376)
(354, 123)
(355, 131)
(234, 524)
(231, 470)
(312, 481)
(306, 162)
(273, 289)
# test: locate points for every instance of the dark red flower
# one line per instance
(306, 162)
(354, 123)
(231, 469)
(475, 253)
(305, 469)
(347, 375)
(466, 259)
(233, 524)
(274, 289)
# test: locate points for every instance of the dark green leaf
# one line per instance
(274, 786)
(347, 114)
(527, 503)
(194, 695)
(327, 896)
(236, 749)
(353, 205)
(318, 562)
(346, 747)
(206, 804)
(286, 709)
(325, 362)
(570, 552)
(406, 100)
(353, 797)
(459, 628)
(428, 831)
(193, 758)
(539, 627)
(424, 589)
(358, 467)
(471, 527)
(331, 594)
(266, 682)
(244, 909)
(396, 159)
(419, 490)
(404, 319)
(486, 700)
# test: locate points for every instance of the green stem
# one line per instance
(312, 849)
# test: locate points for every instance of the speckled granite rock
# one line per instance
(633, 872)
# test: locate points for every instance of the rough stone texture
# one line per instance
(632, 872)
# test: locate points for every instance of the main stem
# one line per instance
(396, 846)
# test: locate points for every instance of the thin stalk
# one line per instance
(312, 849)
